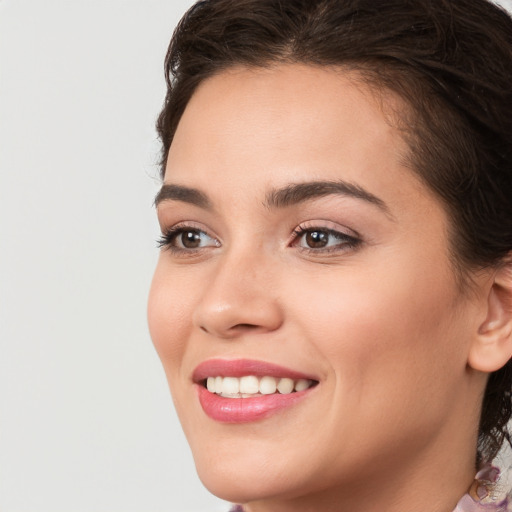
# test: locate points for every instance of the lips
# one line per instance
(239, 391)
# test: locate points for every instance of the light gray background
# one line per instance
(86, 421)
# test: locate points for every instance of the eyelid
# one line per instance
(327, 225)
(175, 230)
(348, 237)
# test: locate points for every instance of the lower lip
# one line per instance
(245, 410)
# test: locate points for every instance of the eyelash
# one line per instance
(345, 241)
(168, 239)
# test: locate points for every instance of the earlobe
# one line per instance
(492, 344)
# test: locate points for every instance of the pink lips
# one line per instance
(243, 410)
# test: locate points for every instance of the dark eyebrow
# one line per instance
(289, 195)
(299, 192)
(184, 194)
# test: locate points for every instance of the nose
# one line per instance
(239, 298)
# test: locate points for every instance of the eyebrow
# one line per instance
(296, 193)
(292, 194)
(185, 194)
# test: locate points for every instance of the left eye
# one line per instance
(323, 239)
(182, 239)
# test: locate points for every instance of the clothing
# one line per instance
(478, 499)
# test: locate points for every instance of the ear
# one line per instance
(492, 345)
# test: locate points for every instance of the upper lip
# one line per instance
(243, 367)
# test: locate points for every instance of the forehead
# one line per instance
(287, 118)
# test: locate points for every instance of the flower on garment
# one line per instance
(480, 496)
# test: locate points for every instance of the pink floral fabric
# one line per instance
(480, 498)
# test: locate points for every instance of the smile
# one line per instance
(241, 391)
(251, 386)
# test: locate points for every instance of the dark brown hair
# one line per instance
(451, 63)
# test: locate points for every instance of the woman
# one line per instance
(333, 300)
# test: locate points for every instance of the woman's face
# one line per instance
(299, 247)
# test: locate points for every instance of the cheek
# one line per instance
(390, 337)
(168, 319)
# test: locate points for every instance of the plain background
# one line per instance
(86, 420)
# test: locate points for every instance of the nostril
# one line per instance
(232, 331)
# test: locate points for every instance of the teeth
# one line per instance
(218, 385)
(230, 385)
(285, 386)
(250, 385)
(302, 384)
(268, 385)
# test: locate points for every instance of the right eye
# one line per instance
(181, 239)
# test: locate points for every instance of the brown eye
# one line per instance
(323, 240)
(317, 239)
(190, 239)
(186, 239)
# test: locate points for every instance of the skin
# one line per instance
(382, 324)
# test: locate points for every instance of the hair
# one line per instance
(450, 61)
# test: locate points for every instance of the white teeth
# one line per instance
(230, 386)
(302, 384)
(250, 385)
(285, 386)
(268, 385)
(218, 385)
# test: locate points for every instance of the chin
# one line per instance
(237, 486)
(250, 476)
